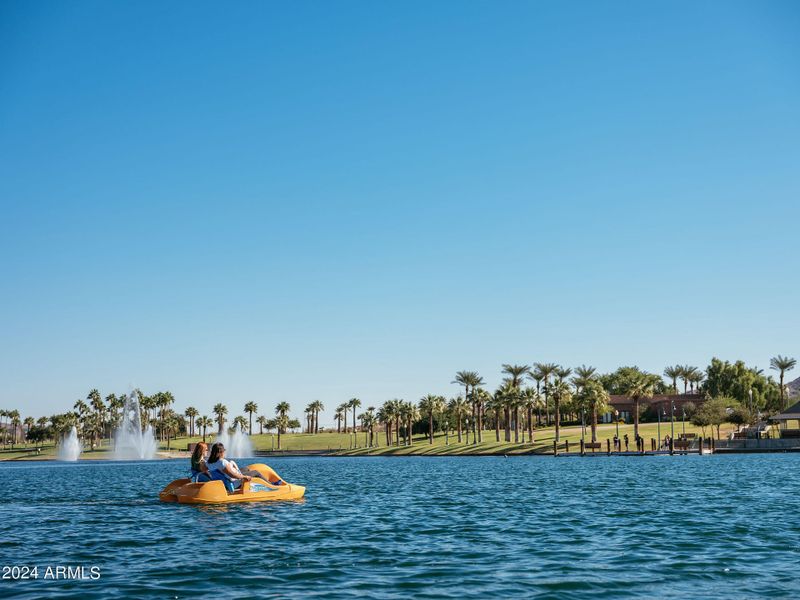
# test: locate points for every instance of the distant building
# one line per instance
(662, 402)
(788, 421)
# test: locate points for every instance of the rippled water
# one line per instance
(709, 527)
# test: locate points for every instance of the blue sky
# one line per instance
(296, 201)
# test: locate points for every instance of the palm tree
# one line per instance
(594, 398)
(639, 387)
(14, 414)
(471, 380)
(409, 413)
(282, 410)
(384, 417)
(261, 420)
(515, 374)
(687, 373)
(497, 404)
(341, 413)
(309, 418)
(782, 364)
(431, 405)
(560, 391)
(459, 408)
(583, 375)
(250, 408)
(530, 400)
(354, 403)
(240, 422)
(673, 373)
(316, 408)
(220, 410)
(694, 379)
(543, 372)
(367, 423)
(191, 412)
(281, 424)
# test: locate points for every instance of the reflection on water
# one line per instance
(710, 527)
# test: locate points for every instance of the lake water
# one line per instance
(709, 527)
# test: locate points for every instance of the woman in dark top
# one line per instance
(199, 466)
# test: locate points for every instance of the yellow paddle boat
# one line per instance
(259, 489)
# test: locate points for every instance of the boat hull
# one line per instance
(269, 487)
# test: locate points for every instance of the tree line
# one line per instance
(529, 397)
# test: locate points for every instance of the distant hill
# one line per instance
(794, 388)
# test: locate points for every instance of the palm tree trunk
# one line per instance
(516, 425)
(530, 425)
(636, 418)
(594, 423)
(430, 428)
(480, 421)
(557, 406)
(459, 428)
(497, 425)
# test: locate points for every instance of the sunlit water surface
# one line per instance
(708, 527)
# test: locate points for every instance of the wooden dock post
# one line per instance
(700, 446)
(608, 446)
(555, 448)
(583, 448)
(567, 446)
(671, 447)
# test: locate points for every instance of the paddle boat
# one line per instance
(268, 487)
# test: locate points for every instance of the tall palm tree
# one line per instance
(354, 403)
(593, 398)
(240, 423)
(583, 375)
(14, 416)
(497, 404)
(530, 400)
(543, 373)
(367, 425)
(384, 417)
(480, 397)
(341, 413)
(695, 378)
(409, 413)
(673, 373)
(782, 364)
(98, 419)
(536, 376)
(309, 412)
(250, 408)
(459, 408)
(639, 388)
(431, 405)
(191, 412)
(316, 408)
(281, 424)
(687, 373)
(515, 374)
(471, 380)
(282, 410)
(220, 410)
(204, 422)
(261, 420)
(559, 391)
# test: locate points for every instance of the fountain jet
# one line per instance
(130, 442)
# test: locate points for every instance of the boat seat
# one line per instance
(219, 476)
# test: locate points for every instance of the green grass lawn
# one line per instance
(543, 441)
(341, 443)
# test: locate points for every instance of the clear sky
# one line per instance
(294, 201)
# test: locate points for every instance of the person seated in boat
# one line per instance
(225, 470)
(199, 466)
